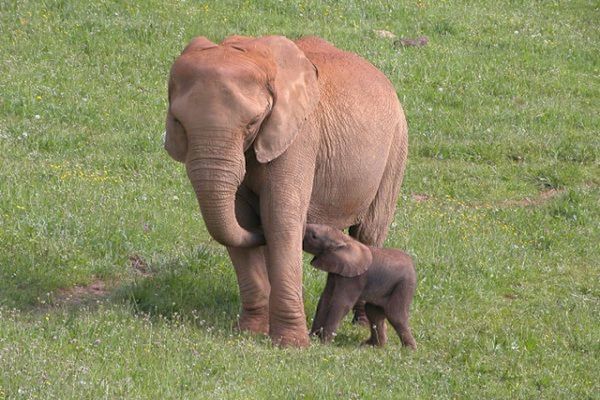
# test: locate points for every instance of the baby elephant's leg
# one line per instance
(377, 324)
(345, 294)
(360, 316)
(396, 311)
(338, 309)
(323, 307)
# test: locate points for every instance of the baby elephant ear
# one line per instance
(352, 259)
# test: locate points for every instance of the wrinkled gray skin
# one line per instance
(385, 279)
(275, 133)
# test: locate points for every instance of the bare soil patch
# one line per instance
(420, 197)
(81, 294)
(139, 265)
(539, 199)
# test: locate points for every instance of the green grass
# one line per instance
(502, 107)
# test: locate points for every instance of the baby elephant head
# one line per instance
(336, 252)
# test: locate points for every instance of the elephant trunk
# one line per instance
(216, 171)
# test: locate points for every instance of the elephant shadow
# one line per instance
(199, 286)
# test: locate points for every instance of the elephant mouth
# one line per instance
(314, 259)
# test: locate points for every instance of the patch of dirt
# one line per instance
(543, 197)
(81, 294)
(139, 265)
(382, 33)
(420, 197)
(407, 42)
(97, 290)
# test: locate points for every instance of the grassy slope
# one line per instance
(502, 105)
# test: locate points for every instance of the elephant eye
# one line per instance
(253, 122)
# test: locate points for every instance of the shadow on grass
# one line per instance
(200, 287)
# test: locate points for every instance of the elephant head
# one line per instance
(224, 100)
(336, 252)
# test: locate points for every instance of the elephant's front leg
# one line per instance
(254, 286)
(323, 307)
(345, 293)
(286, 306)
(284, 201)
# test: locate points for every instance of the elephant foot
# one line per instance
(290, 337)
(374, 342)
(318, 333)
(411, 344)
(296, 340)
(254, 321)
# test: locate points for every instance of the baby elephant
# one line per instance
(385, 279)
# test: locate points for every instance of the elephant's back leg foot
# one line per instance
(397, 312)
(289, 337)
(250, 269)
(254, 289)
(377, 326)
(254, 320)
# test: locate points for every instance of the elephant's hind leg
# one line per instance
(377, 325)
(253, 282)
(373, 228)
(251, 270)
(397, 312)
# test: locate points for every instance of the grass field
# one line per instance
(110, 286)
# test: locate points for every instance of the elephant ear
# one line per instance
(235, 39)
(294, 87)
(198, 43)
(349, 260)
(175, 138)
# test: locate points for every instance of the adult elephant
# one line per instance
(276, 133)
